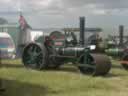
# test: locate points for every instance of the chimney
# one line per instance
(82, 30)
(121, 35)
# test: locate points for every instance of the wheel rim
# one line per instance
(32, 56)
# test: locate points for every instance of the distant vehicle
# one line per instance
(7, 46)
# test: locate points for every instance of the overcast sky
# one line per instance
(107, 14)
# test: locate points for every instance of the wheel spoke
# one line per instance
(29, 52)
(39, 54)
(35, 49)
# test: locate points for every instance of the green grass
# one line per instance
(67, 81)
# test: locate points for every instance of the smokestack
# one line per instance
(82, 30)
(121, 34)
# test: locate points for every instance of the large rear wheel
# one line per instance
(35, 56)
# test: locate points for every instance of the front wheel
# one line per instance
(96, 64)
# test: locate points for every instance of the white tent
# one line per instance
(35, 34)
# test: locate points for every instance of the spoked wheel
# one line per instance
(95, 64)
(34, 56)
(124, 61)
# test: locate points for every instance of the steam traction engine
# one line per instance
(119, 49)
(59, 48)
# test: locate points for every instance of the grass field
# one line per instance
(67, 81)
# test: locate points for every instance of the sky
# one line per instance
(107, 14)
